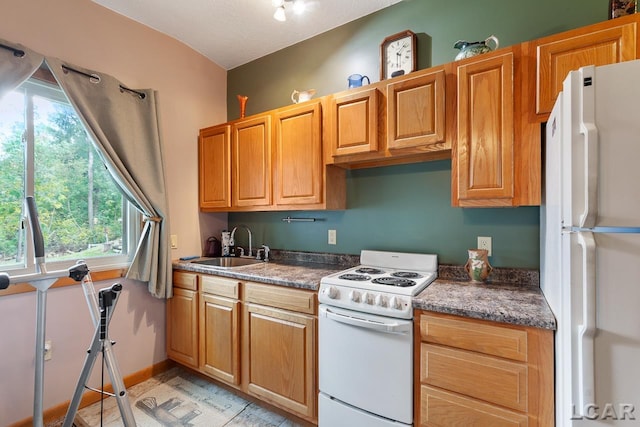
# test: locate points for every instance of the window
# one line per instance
(45, 151)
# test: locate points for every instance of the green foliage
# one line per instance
(79, 205)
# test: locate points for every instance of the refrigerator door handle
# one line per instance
(590, 131)
(587, 330)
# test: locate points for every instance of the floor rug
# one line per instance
(177, 398)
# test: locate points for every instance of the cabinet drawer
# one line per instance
(487, 378)
(439, 408)
(277, 296)
(185, 280)
(229, 288)
(469, 335)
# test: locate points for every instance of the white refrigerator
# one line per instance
(590, 245)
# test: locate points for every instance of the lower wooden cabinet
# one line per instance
(182, 320)
(220, 329)
(279, 358)
(258, 338)
(481, 373)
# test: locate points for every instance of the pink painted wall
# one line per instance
(192, 94)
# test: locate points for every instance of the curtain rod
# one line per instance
(96, 78)
(16, 52)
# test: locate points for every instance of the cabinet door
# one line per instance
(279, 358)
(298, 177)
(354, 123)
(416, 112)
(560, 54)
(482, 163)
(219, 338)
(251, 162)
(182, 326)
(214, 164)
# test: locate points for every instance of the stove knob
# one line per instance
(381, 301)
(331, 292)
(367, 298)
(396, 303)
(354, 296)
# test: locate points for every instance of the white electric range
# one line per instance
(365, 340)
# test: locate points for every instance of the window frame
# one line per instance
(43, 84)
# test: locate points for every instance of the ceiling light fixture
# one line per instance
(298, 7)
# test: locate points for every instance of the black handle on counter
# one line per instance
(38, 241)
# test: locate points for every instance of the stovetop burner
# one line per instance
(369, 270)
(407, 274)
(352, 276)
(394, 281)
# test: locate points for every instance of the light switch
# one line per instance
(174, 241)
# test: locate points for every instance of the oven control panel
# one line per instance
(384, 304)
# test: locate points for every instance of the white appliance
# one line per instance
(365, 340)
(590, 245)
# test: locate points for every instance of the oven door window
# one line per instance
(367, 361)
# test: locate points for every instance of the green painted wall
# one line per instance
(405, 208)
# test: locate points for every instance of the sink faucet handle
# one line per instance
(266, 250)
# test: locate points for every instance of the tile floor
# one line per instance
(229, 410)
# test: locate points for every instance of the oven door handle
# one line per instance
(391, 327)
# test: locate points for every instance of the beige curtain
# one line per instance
(125, 128)
(17, 64)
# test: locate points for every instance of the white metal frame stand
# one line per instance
(101, 310)
(101, 307)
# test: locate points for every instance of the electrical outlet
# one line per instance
(332, 237)
(485, 243)
(174, 241)
(48, 350)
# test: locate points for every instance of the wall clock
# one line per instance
(398, 55)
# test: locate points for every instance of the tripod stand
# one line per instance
(101, 307)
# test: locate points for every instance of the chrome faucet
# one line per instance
(233, 233)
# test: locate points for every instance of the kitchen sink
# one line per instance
(227, 262)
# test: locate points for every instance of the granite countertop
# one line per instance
(511, 296)
(498, 302)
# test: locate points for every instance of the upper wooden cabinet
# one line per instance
(272, 161)
(354, 123)
(214, 167)
(251, 161)
(605, 43)
(483, 163)
(416, 112)
(496, 158)
(395, 121)
(300, 178)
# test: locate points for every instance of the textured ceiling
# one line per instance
(234, 32)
